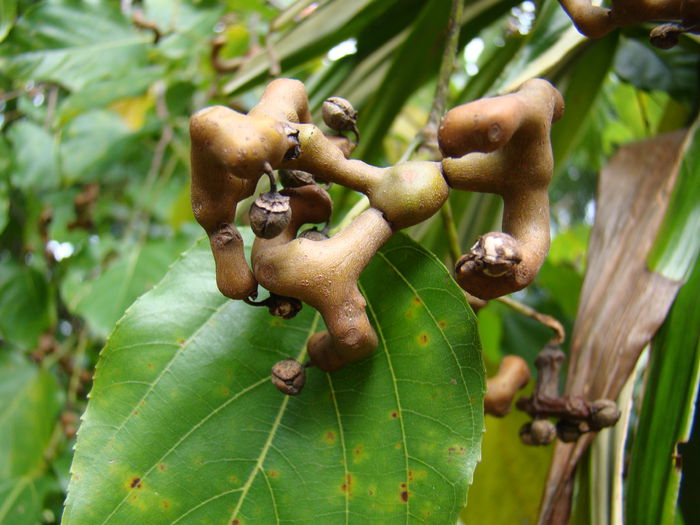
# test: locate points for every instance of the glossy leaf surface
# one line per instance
(183, 425)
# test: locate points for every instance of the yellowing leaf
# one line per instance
(133, 110)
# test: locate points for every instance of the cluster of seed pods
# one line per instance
(497, 145)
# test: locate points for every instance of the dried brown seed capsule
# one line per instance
(494, 254)
(538, 432)
(665, 36)
(293, 142)
(313, 234)
(604, 413)
(568, 431)
(542, 431)
(339, 115)
(289, 376)
(270, 214)
(526, 435)
(284, 307)
(295, 178)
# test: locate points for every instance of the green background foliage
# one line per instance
(94, 212)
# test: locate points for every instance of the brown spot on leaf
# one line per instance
(136, 483)
(166, 504)
(236, 522)
(404, 496)
(329, 437)
(442, 324)
(233, 479)
(394, 415)
(410, 475)
(359, 452)
(273, 473)
(347, 485)
(423, 339)
(417, 300)
(162, 467)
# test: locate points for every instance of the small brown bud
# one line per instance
(270, 214)
(295, 178)
(289, 376)
(604, 413)
(339, 115)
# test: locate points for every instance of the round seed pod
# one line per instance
(604, 413)
(542, 431)
(339, 115)
(283, 307)
(270, 214)
(289, 376)
(295, 178)
(665, 36)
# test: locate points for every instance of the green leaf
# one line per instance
(332, 23)
(667, 411)
(5, 163)
(26, 304)
(34, 149)
(649, 68)
(584, 83)
(184, 426)
(90, 143)
(73, 44)
(8, 11)
(423, 48)
(100, 94)
(29, 405)
(103, 300)
(677, 244)
(551, 44)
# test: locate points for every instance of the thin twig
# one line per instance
(275, 67)
(222, 65)
(450, 231)
(74, 381)
(140, 21)
(547, 320)
(447, 65)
